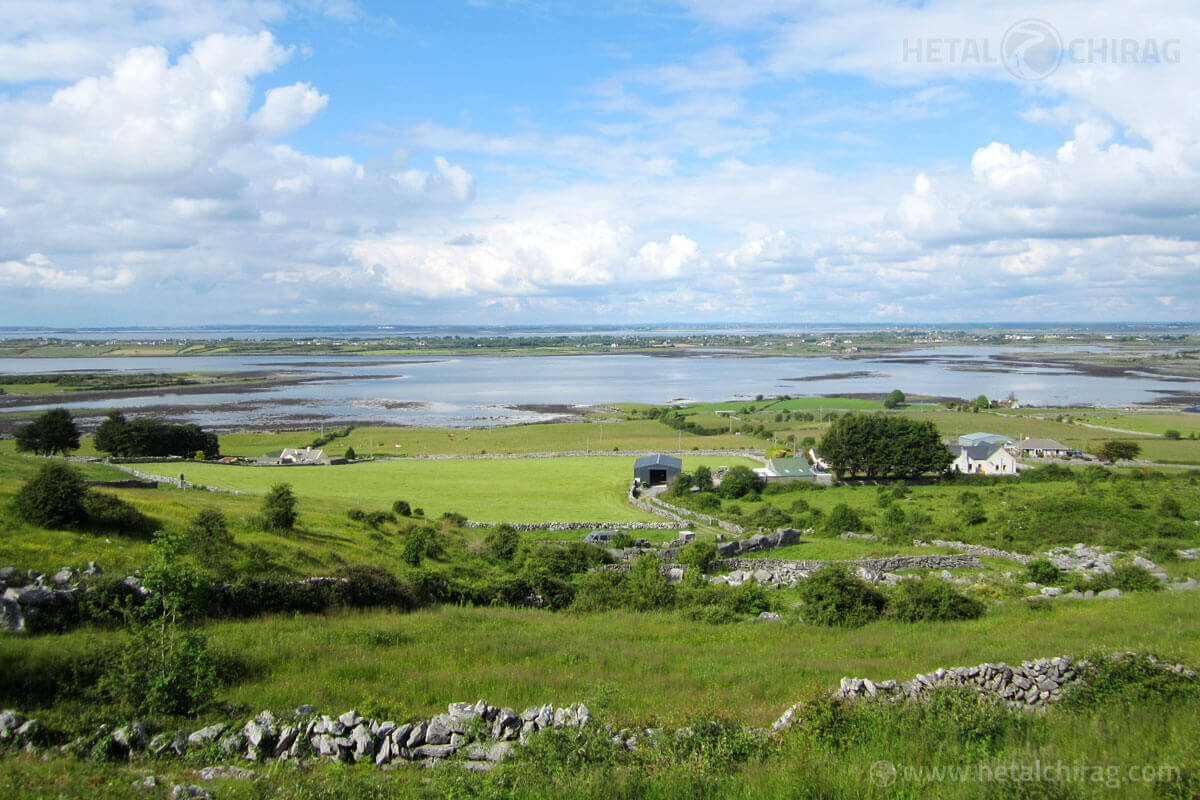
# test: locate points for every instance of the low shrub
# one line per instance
(842, 519)
(832, 596)
(1042, 571)
(1132, 579)
(1161, 552)
(929, 599)
(52, 498)
(601, 591)
(1129, 681)
(110, 513)
(698, 554)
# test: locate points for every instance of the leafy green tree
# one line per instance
(51, 433)
(146, 436)
(166, 667)
(112, 436)
(981, 402)
(739, 482)
(402, 508)
(1118, 450)
(698, 554)
(1171, 433)
(882, 445)
(52, 498)
(648, 589)
(894, 399)
(702, 478)
(350, 454)
(415, 546)
(279, 508)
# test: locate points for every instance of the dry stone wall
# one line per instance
(477, 736)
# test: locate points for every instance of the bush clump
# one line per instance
(1042, 571)
(52, 498)
(279, 508)
(842, 519)
(932, 599)
(111, 513)
(832, 596)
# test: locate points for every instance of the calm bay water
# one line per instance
(479, 391)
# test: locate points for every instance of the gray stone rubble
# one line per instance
(1033, 685)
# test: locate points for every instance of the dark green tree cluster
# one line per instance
(149, 437)
(1117, 450)
(881, 446)
(51, 433)
(894, 399)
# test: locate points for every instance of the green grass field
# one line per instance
(794, 404)
(1148, 423)
(538, 438)
(574, 489)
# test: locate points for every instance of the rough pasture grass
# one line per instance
(647, 668)
(488, 490)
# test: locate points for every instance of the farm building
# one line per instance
(1040, 448)
(600, 537)
(657, 469)
(972, 439)
(779, 470)
(291, 455)
(983, 459)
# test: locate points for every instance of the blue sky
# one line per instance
(336, 161)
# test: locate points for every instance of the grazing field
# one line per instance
(487, 490)
(1148, 423)
(561, 437)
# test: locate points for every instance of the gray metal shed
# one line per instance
(656, 469)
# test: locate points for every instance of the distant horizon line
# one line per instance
(600, 325)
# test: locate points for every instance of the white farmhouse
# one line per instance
(983, 459)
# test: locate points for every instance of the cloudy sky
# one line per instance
(552, 161)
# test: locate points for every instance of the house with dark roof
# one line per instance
(1040, 448)
(657, 469)
(294, 455)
